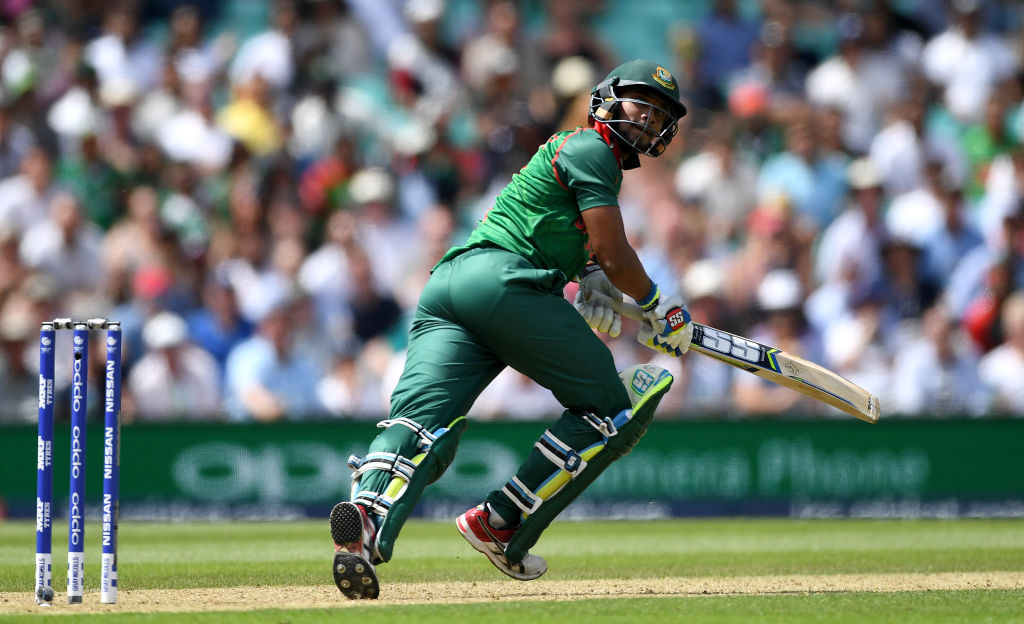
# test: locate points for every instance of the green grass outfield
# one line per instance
(202, 555)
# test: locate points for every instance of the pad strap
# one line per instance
(426, 438)
(377, 503)
(389, 462)
(608, 427)
(560, 454)
(522, 496)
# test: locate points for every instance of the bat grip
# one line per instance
(629, 310)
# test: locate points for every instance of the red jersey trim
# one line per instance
(558, 152)
(604, 133)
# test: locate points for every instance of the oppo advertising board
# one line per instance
(805, 468)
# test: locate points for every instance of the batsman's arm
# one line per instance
(607, 237)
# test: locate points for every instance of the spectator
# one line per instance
(247, 118)
(1003, 194)
(918, 214)
(907, 291)
(25, 198)
(12, 272)
(19, 382)
(779, 299)
(814, 184)
(774, 239)
(93, 180)
(567, 33)
(904, 148)
(503, 30)
(994, 269)
(725, 181)
(120, 52)
(187, 33)
(330, 40)
(966, 62)
(270, 54)
(984, 141)
(856, 345)
(180, 117)
(139, 239)
(380, 229)
(708, 383)
(374, 310)
(65, 246)
(851, 244)
(954, 239)
(725, 41)
(116, 141)
(326, 276)
(16, 141)
(217, 326)
(1002, 370)
(776, 71)
(350, 389)
(322, 186)
(435, 227)
(267, 379)
(860, 82)
(175, 379)
(937, 373)
(982, 317)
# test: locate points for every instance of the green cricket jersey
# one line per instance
(538, 214)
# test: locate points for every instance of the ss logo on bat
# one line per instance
(735, 346)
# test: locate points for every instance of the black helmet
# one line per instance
(643, 76)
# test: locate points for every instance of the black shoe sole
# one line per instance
(346, 524)
(353, 574)
(355, 577)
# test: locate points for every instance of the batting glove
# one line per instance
(667, 328)
(598, 311)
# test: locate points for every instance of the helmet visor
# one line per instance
(648, 127)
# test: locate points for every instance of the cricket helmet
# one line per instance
(647, 77)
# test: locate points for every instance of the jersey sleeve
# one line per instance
(587, 167)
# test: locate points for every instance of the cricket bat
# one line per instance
(776, 366)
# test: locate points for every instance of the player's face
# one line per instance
(650, 118)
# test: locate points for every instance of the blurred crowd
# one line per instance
(258, 191)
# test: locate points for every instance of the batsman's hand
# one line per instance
(598, 311)
(667, 327)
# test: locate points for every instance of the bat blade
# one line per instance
(788, 370)
(777, 366)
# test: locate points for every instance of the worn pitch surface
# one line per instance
(323, 596)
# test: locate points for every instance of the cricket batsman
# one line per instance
(497, 301)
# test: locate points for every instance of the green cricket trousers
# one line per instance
(481, 311)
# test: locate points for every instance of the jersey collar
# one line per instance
(629, 161)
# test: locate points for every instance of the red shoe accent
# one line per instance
(478, 521)
(475, 528)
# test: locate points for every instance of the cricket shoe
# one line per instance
(475, 527)
(354, 536)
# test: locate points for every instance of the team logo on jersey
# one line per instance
(664, 78)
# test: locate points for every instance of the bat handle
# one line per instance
(629, 310)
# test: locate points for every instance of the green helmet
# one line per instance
(641, 75)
